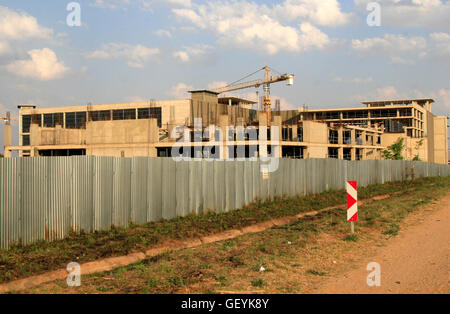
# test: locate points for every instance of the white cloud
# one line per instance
(389, 44)
(144, 5)
(356, 80)
(441, 43)
(180, 91)
(405, 50)
(184, 3)
(214, 85)
(248, 25)
(21, 26)
(444, 99)
(388, 92)
(320, 12)
(188, 53)
(400, 60)
(43, 65)
(412, 13)
(4, 48)
(163, 32)
(136, 56)
(109, 4)
(136, 99)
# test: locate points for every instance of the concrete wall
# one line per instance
(440, 140)
(315, 133)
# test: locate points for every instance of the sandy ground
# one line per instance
(416, 261)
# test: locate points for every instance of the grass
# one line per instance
(258, 282)
(294, 256)
(315, 272)
(23, 261)
(351, 238)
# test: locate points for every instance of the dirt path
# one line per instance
(416, 261)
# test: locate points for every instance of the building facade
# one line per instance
(208, 126)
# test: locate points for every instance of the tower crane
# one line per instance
(8, 118)
(266, 82)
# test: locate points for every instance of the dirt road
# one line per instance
(416, 261)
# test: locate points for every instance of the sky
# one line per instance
(341, 52)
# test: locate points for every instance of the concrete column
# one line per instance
(353, 139)
(171, 125)
(7, 137)
(153, 133)
(34, 134)
(341, 135)
(277, 146)
(341, 152)
(353, 152)
(294, 132)
(223, 123)
(262, 119)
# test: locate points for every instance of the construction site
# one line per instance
(147, 128)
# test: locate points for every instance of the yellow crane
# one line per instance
(8, 118)
(266, 82)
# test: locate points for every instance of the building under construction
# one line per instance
(147, 128)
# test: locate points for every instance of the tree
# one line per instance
(419, 144)
(1, 156)
(394, 152)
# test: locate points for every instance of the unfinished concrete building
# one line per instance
(147, 129)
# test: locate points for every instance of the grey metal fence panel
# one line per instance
(196, 187)
(121, 192)
(209, 197)
(239, 183)
(219, 185)
(10, 198)
(139, 177)
(82, 202)
(103, 192)
(169, 188)
(182, 188)
(229, 185)
(154, 189)
(46, 198)
(58, 216)
(248, 182)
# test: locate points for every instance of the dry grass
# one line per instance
(295, 257)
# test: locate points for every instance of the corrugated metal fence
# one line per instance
(46, 198)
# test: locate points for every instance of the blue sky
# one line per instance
(139, 50)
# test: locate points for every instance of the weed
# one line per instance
(315, 272)
(351, 238)
(258, 282)
(176, 281)
(393, 230)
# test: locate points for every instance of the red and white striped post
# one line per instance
(352, 203)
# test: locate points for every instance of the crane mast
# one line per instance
(266, 82)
